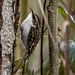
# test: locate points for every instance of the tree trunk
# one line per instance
(7, 37)
(53, 55)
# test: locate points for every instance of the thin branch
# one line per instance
(45, 30)
(67, 38)
(24, 57)
(23, 67)
(63, 60)
(63, 3)
(42, 40)
(49, 29)
(33, 72)
(68, 9)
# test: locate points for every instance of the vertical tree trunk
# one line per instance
(53, 55)
(7, 37)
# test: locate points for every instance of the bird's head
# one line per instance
(35, 19)
(31, 21)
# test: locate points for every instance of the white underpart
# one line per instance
(26, 26)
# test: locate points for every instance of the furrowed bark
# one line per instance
(53, 55)
(7, 37)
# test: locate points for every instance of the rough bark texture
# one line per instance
(53, 55)
(7, 37)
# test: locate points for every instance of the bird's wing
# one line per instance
(33, 38)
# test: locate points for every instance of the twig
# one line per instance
(63, 3)
(42, 40)
(67, 38)
(49, 29)
(63, 60)
(24, 57)
(45, 30)
(23, 67)
(33, 72)
(60, 36)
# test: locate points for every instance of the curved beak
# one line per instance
(33, 14)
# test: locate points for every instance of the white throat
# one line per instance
(27, 23)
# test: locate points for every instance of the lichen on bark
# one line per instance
(53, 55)
(7, 37)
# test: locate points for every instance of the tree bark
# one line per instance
(7, 37)
(1, 3)
(53, 55)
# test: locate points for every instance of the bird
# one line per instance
(30, 32)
